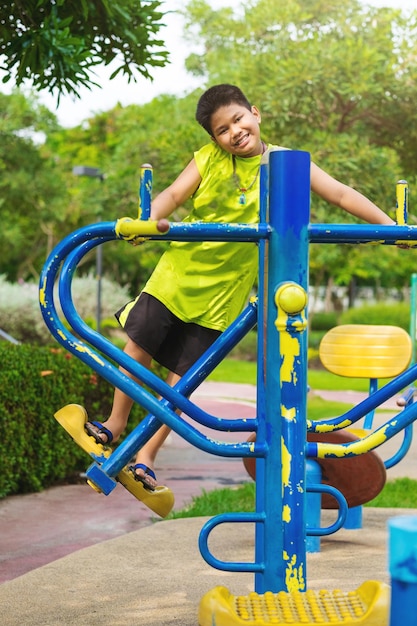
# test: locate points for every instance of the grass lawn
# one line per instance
(233, 371)
(399, 493)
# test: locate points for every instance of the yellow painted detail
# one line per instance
(328, 428)
(368, 605)
(286, 464)
(291, 298)
(294, 575)
(370, 442)
(288, 413)
(93, 355)
(42, 293)
(289, 348)
(286, 513)
(406, 242)
(61, 334)
(366, 350)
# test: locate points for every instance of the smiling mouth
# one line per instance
(241, 140)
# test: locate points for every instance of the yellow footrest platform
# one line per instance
(368, 604)
(73, 418)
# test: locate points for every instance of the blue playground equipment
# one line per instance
(281, 449)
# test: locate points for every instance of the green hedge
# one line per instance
(393, 314)
(324, 321)
(35, 451)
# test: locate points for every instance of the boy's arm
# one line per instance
(346, 198)
(177, 193)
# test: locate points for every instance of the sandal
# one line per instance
(142, 479)
(95, 429)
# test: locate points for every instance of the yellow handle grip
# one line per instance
(128, 228)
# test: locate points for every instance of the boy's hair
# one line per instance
(216, 97)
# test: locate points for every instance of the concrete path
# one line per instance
(70, 556)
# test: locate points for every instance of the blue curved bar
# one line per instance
(189, 382)
(392, 427)
(368, 404)
(76, 245)
(343, 510)
(224, 518)
(404, 448)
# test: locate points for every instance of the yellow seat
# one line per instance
(366, 351)
(371, 352)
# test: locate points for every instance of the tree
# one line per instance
(334, 68)
(57, 43)
(162, 133)
(32, 194)
(336, 78)
(325, 77)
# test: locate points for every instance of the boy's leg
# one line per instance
(122, 403)
(147, 454)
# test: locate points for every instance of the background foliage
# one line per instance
(20, 314)
(35, 382)
(337, 79)
(56, 44)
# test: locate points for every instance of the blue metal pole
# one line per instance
(403, 570)
(313, 512)
(283, 484)
(145, 192)
(413, 318)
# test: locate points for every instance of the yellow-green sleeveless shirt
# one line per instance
(204, 282)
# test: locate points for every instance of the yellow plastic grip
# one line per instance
(128, 228)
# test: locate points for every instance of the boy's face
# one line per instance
(236, 130)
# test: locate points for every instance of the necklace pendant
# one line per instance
(242, 198)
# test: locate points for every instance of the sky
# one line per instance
(172, 79)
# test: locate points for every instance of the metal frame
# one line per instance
(283, 236)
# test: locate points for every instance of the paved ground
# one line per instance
(72, 556)
(36, 529)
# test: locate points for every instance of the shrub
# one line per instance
(324, 321)
(246, 349)
(314, 338)
(20, 314)
(35, 382)
(395, 314)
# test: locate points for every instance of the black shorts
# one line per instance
(171, 342)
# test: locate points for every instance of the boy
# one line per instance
(198, 288)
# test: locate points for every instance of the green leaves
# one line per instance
(56, 45)
(336, 78)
